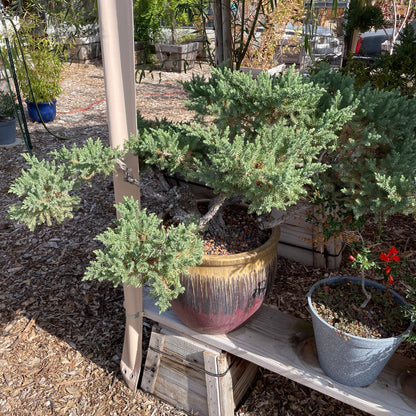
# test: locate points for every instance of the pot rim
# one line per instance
(233, 259)
(332, 279)
(42, 102)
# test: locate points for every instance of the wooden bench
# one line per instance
(284, 345)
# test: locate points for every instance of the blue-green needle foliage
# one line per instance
(270, 141)
(46, 188)
(259, 139)
(372, 170)
(46, 194)
(139, 250)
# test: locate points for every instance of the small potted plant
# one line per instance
(37, 59)
(7, 119)
(39, 72)
(359, 323)
(266, 161)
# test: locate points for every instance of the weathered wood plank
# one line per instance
(243, 375)
(219, 387)
(302, 241)
(152, 362)
(194, 376)
(278, 342)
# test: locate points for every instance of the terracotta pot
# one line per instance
(224, 291)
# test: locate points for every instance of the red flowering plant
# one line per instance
(388, 264)
(360, 306)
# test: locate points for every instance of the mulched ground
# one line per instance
(61, 338)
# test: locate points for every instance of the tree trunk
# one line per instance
(223, 38)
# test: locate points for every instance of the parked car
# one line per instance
(372, 41)
(323, 41)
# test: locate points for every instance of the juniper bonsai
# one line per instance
(259, 141)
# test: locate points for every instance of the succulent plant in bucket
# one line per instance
(359, 323)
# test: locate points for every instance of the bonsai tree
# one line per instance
(258, 141)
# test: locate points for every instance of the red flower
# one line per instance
(384, 257)
(392, 251)
(390, 256)
(352, 258)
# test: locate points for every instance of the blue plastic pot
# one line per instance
(47, 110)
(349, 359)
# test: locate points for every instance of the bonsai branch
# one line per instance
(366, 294)
(213, 209)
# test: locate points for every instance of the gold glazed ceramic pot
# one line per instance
(224, 291)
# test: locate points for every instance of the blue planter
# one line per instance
(47, 111)
(349, 359)
(7, 132)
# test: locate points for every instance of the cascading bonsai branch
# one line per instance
(259, 141)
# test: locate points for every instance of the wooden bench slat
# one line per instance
(281, 343)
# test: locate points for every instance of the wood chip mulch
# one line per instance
(61, 338)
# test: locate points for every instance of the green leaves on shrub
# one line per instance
(46, 193)
(46, 188)
(260, 139)
(140, 251)
(371, 171)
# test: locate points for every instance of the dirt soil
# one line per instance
(61, 338)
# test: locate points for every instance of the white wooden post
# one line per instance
(117, 45)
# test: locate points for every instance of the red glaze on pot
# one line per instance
(224, 291)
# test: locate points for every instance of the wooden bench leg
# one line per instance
(193, 376)
(219, 385)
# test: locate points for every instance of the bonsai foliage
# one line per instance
(372, 170)
(262, 141)
(139, 250)
(46, 186)
(258, 139)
